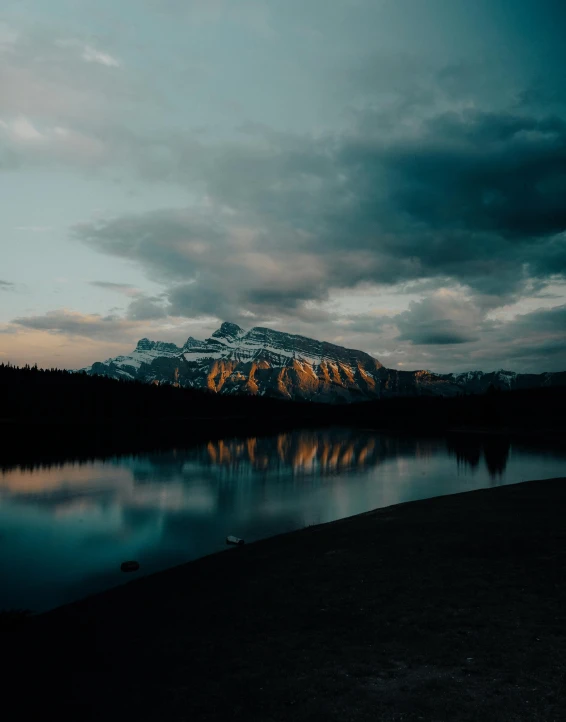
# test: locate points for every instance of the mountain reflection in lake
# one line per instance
(65, 528)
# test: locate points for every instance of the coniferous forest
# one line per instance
(30, 395)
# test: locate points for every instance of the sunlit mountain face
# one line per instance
(265, 362)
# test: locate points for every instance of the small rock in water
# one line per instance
(130, 566)
(234, 540)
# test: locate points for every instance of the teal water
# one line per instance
(66, 528)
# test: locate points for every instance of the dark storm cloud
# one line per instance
(441, 319)
(436, 333)
(168, 242)
(147, 308)
(472, 196)
(545, 322)
(211, 296)
(444, 318)
(216, 269)
(484, 172)
(532, 341)
(549, 355)
(450, 334)
(197, 300)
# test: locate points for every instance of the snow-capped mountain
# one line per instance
(265, 362)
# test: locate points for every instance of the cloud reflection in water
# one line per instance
(67, 527)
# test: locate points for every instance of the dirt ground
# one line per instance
(442, 610)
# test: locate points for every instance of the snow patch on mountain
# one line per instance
(263, 361)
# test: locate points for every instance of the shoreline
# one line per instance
(450, 608)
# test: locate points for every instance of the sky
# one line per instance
(388, 175)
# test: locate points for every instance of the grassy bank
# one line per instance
(445, 609)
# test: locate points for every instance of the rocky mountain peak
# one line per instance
(167, 347)
(266, 362)
(302, 347)
(228, 331)
(144, 344)
(191, 343)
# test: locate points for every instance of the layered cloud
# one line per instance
(124, 288)
(470, 202)
(442, 319)
(440, 182)
(447, 333)
(72, 323)
(473, 197)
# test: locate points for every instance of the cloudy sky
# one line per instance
(389, 175)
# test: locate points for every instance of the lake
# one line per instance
(65, 528)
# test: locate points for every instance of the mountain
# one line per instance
(265, 362)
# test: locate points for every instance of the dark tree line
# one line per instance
(49, 414)
(33, 395)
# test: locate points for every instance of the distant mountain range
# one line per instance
(265, 362)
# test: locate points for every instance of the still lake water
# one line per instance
(66, 528)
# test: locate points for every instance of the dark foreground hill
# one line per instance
(450, 609)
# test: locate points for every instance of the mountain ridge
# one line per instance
(266, 362)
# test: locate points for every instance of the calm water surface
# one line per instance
(65, 529)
